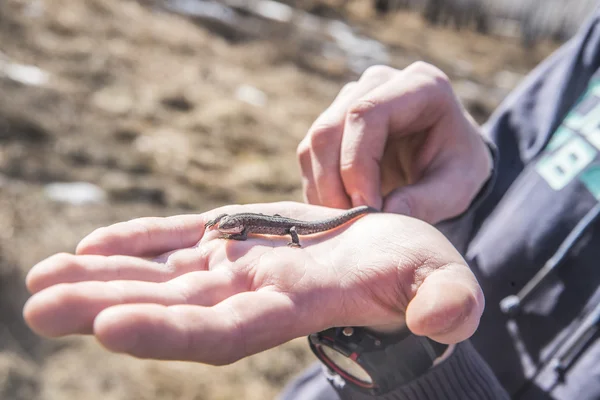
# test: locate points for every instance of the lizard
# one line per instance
(238, 226)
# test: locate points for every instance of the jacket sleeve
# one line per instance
(464, 375)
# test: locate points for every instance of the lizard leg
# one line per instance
(295, 240)
(243, 235)
(214, 221)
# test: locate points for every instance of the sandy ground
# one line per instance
(146, 105)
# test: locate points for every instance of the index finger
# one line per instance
(409, 103)
(144, 237)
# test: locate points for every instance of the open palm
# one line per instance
(165, 288)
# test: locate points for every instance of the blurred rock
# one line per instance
(507, 80)
(463, 68)
(361, 51)
(217, 17)
(126, 134)
(468, 90)
(76, 193)
(34, 8)
(178, 102)
(149, 195)
(251, 95)
(274, 10)
(122, 187)
(250, 171)
(114, 100)
(202, 9)
(17, 126)
(25, 74)
(18, 377)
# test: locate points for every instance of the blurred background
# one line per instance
(115, 109)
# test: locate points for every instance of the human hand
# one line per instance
(165, 288)
(397, 140)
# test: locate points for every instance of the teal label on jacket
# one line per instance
(571, 152)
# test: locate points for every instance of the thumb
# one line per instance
(439, 195)
(447, 306)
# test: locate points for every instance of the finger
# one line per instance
(309, 186)
(152, 236)
(443, 192)
(242, 325)
(71, 308)
(447, 306)
(324, 139)
(409, 103)
(69, 268)
(144, 236)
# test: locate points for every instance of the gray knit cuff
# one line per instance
(462, 376)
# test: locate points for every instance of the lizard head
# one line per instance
(230, 224)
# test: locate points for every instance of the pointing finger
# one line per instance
(309, 186)
(412, 102)
(323, 145)
(144, 237)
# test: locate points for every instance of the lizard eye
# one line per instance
(223, 222)
(231, 227)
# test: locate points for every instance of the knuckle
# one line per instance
(322, 134)
(303, 151)
(352, 171)
(63, 260)
(347, 87)
(379, 72)
(65, 296)
(434, 81)
(442, 82)
(361, 109)
(423, 67)
(429, 70)
(97, 233)
(348, 166)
